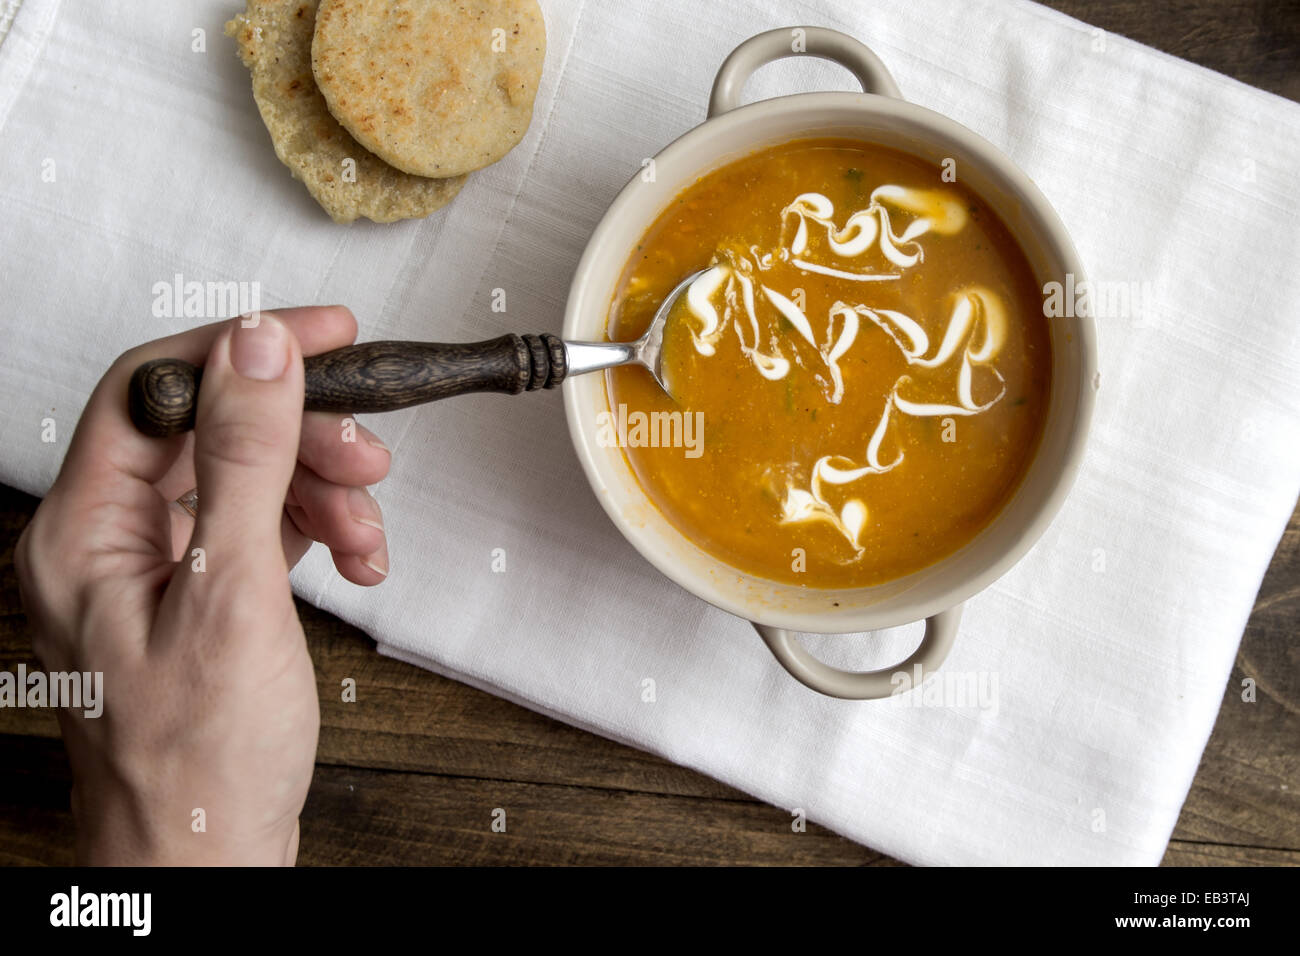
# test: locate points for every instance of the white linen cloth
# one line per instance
(1110, 643)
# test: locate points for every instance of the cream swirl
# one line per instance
(731, 295)
(978, 319)
(804, 505)
(934, 211)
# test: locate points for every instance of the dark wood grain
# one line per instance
(411, 772)
(163, 395)
(1255, 41)
(367, 377)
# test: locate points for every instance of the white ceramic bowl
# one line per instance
(877, 115)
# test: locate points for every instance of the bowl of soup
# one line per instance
(879, 393)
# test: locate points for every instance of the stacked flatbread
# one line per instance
(382, 107)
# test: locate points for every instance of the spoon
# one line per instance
(386, 376)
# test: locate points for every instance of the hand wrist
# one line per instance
(123, 831)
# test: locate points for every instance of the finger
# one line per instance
(340, 450)
(332, 445)
(106, 444)
(292, 541)
(301, 521)
(318, 329)
(180, 475)
(246, 441)
(347, 520)
(182, 529)
(367, 570)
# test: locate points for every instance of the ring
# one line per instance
(190, 502)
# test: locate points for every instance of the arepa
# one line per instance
(433, 87)
(274, 38)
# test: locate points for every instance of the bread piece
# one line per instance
(433, 87)
(274, 39)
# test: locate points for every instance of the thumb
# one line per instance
(246, 437)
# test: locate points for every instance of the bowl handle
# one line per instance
(940, 630)
(797, 41)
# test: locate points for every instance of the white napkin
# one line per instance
(1110, 643)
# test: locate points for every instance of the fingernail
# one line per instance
(365, 509)
(259, 347)
(377, 562)
(374, 442)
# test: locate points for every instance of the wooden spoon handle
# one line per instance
(370, 377)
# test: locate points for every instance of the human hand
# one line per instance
(209, 695)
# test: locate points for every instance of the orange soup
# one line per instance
(859, 378)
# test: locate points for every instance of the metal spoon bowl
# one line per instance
(647, 351)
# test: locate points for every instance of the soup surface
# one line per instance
(859, 379)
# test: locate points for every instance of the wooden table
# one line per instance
(411, 773)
